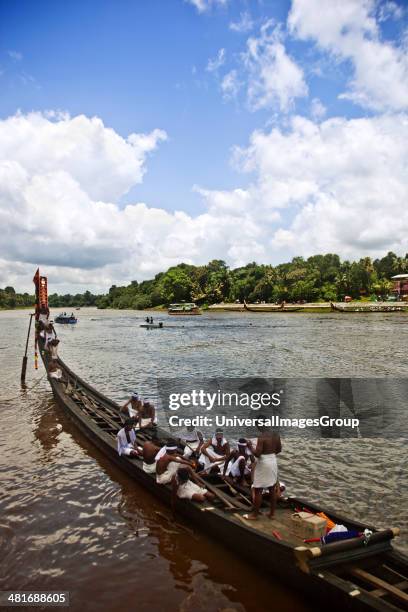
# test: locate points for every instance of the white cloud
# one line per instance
(342, 183)
(274, 79)
(348, 29)
(203, 6)
(245, 23)
(215, 64)
(344, 180)
(317, 109)
(230, 84)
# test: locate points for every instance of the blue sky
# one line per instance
(146, 65)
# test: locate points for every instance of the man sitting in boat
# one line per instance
(48, 333)
(266, 469)
(238, 465)
(193, 441)
(214, 452)
(53, 348)
(149, 453)
(132, 406)
(54, 371)
(126, 439)
(168, 462)
(146, 415)
(184, 487)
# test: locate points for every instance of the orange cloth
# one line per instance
(329, 522)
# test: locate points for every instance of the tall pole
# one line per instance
(24, 364)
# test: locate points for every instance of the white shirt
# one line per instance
(123, 442)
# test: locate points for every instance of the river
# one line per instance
(71, 521)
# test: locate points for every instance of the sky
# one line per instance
(138, 135)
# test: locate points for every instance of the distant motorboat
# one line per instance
(66, 319)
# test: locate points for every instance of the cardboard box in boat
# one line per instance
(306, 525)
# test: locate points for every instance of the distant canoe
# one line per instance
(367, 307)
(271, 307)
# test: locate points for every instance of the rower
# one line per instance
(150, 450)
(53, 348)
(132, 406)
(266, 469)
(193, 441)
(214, 452)
(126, 439)
(48, 334)
(239, 462)
(146, 416)
(54, 371)
(168, 462)
(183, 487)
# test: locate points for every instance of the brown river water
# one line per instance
(69, 520)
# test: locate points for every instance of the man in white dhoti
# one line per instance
(238, 465)
(132, 406)
(185, 488)
(193, 441)
(126, 440)
(214, 452)
(150, 451)
(168, 462)
(266, 469)
(146, 416)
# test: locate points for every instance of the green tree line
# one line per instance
(317, 278)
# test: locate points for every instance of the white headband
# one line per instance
(171, 448)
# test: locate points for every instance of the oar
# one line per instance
(24, 364)
(231, 505)
(236, 491)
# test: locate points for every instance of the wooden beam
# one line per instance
(379, 583)
(381, 592)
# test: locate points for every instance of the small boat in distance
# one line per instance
(272, 307)
(64, 318)
(152, 325)
(184, 308)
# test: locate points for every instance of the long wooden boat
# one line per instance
(271, 307)
(368, 307)
(359, 574)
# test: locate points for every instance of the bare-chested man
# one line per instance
(150, 450)
(266, 469)
(147, 415)
(214, 452)
(238, 465)
(168, 462)
(132, 407)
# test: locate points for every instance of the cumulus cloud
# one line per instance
(350, 31)
(345, 181)
(274, 78)
(317, 109)
(341, 183)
